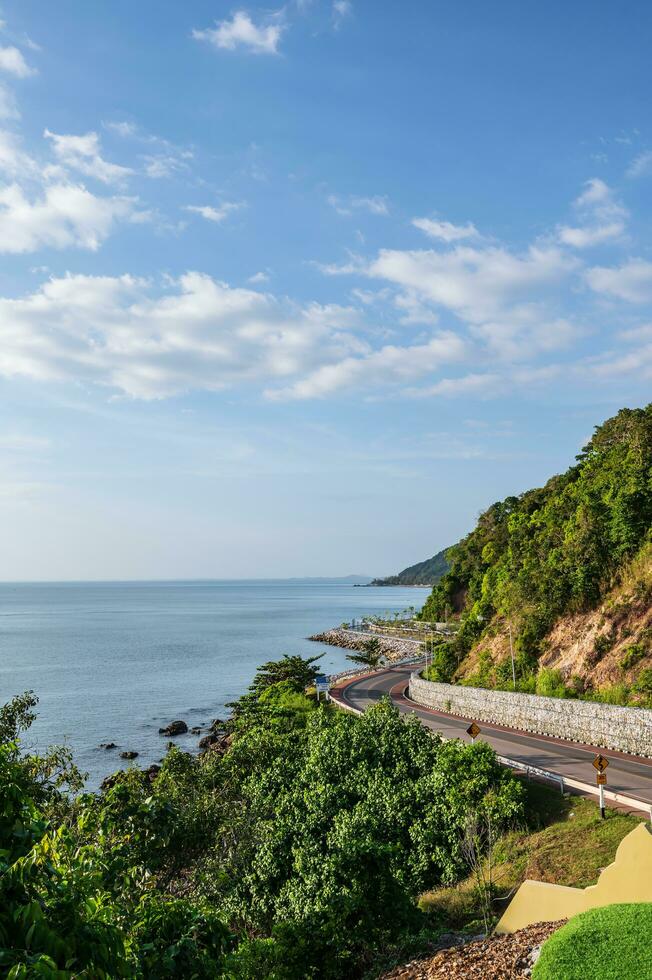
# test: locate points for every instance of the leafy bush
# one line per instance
(444, 663)
(603, 644)
(633, 654)
(299, 853)
(550, 683)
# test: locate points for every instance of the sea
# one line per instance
(116, 661)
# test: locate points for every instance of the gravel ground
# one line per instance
(494, 958)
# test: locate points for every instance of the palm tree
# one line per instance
(370, 655)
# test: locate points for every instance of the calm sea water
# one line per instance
(113, 662)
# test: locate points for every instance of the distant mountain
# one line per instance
(427, 572)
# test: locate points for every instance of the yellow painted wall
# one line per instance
(628, 879)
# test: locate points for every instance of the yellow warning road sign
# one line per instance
(473, 730)
(601, 779)
(600, 763)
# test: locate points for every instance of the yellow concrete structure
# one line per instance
(628, 879)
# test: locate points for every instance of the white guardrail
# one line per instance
(564, 782)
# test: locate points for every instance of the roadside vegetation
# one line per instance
(297, 848)
(309, 843)
(562, 839)
(581, 542)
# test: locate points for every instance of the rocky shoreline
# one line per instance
(392, 648)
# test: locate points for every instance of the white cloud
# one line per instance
(241, 31)
(387, 366)
(586, 237)
(259, 277)
(444, 230)
(64, 215)
(595, 192)
(122, 128)
(635, 364)
(413, 310)
(82, 153)
(8, 106)
(346, 206)
(525, 333)
(166, 164)
(602, 217)
(14, 162)
(341, 10)
(635, 334)
(475, 284)
(631, 281)
(641, 165)
(469, 384)
(197, 333)
(215, 214)
(13, 62)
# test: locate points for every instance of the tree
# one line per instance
(299, 673)
(370, 655)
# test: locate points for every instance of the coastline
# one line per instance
(392, 648)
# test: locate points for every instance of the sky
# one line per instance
(301, 290)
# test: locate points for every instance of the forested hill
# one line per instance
(569, 565)
(427, 572)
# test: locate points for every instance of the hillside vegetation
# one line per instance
(427, 572)
(569, 567)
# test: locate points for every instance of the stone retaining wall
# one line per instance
(392, 647)
(605, 725)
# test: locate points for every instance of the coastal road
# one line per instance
(627, 774)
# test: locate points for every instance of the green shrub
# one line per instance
(632, 656)
(444, 663)
(550, 683)
(643, 683)
(603, 644)
(611, 943)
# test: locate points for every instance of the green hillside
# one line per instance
(427, 572)
(556, 552)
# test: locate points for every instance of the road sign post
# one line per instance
(601, 787)
(473, 730)
(600, 764)
(322, 685)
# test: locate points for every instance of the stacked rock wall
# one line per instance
(605, 725)
(392, 647)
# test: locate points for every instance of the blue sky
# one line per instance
(301, 290)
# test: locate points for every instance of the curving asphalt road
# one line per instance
(629, 775)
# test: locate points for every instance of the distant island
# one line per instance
(427, 573)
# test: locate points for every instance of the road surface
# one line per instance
(629, 775)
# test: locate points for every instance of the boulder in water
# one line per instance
(174, 728)
(129, 755)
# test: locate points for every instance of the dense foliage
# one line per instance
(297, 851)
(427, 572)
(553, 550)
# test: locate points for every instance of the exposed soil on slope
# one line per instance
(608, 645)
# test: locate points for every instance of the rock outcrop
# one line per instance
(173, 729)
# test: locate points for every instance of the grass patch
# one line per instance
(564, 841)
(611, 943)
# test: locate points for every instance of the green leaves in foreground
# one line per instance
(299, 853)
